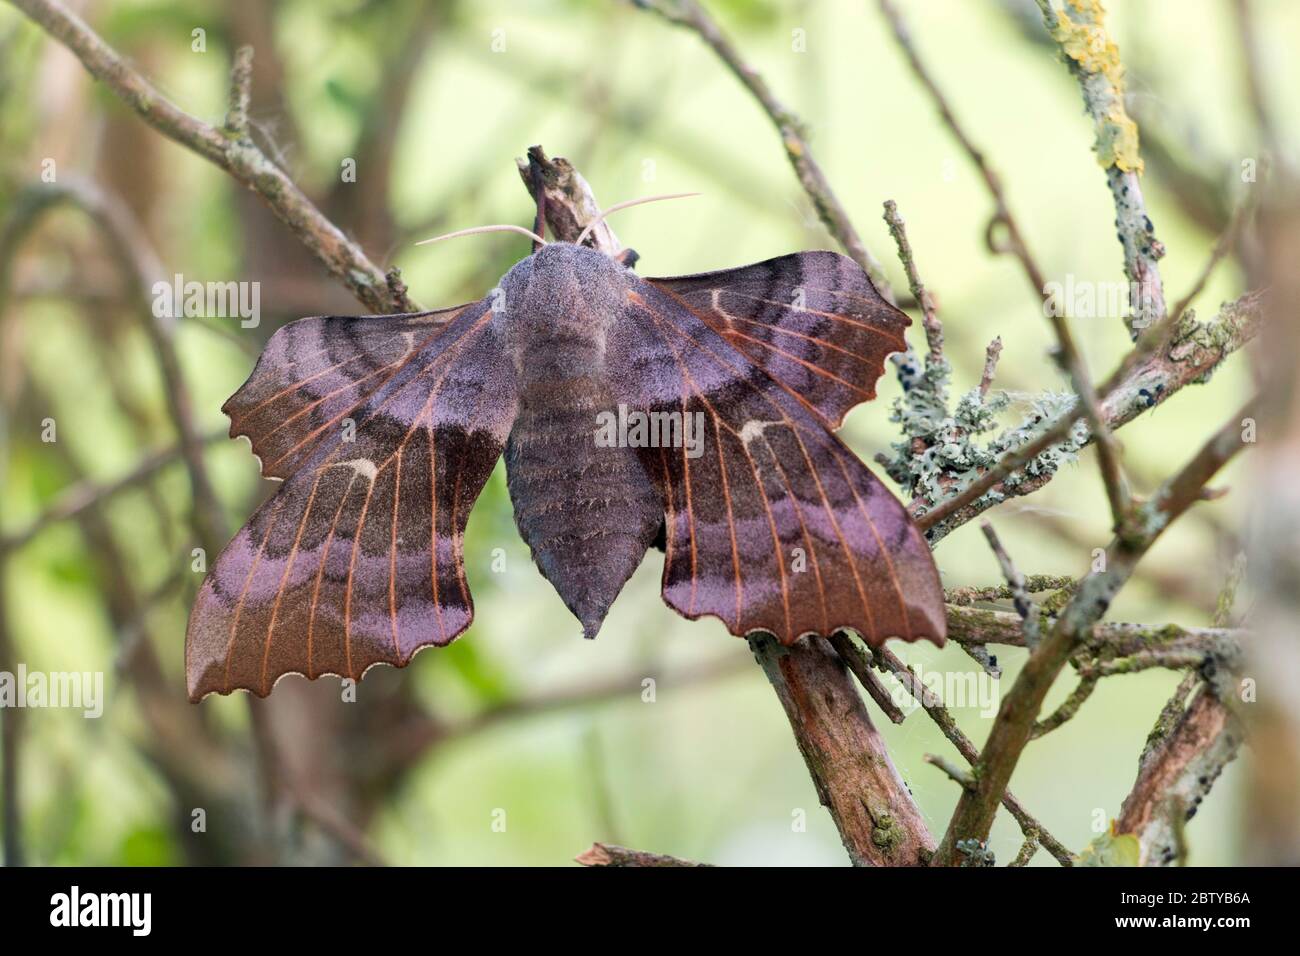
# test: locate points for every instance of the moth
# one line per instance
(385, 428)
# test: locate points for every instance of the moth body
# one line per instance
(554, 313)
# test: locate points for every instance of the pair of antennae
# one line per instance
(509, 227)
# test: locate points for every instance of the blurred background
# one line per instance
(521, 720)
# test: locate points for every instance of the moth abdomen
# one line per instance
(588, 512)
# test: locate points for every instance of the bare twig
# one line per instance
(1093, 58)
(1172, 658)
(1027, 851)
(241, 82)
(1069, 707)
(959, 776)
(691, 15)
(991, 356)
(1024, 604)
(858, 659)
(968, 625)
(234, 153)
(930, 318)
(1002, 217)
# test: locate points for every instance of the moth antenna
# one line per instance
(624, 205)
(502, 227)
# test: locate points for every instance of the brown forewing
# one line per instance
(776, 526)
(315, 372)
(812, 321)
(357, 559)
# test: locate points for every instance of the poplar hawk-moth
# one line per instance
(357, 559)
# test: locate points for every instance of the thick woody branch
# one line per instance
(607, 854)
(1177, 771)
(228, 147)
(849, 764)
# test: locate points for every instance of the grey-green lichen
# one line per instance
(1209, 343)
(975, 853)
(937, 444)
(952, 458)
(1055, 602)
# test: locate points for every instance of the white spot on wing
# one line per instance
(362, 466)
(754, 429)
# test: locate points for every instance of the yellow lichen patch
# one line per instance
(1117, 141)
(1080, 30)
(1084, 39)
